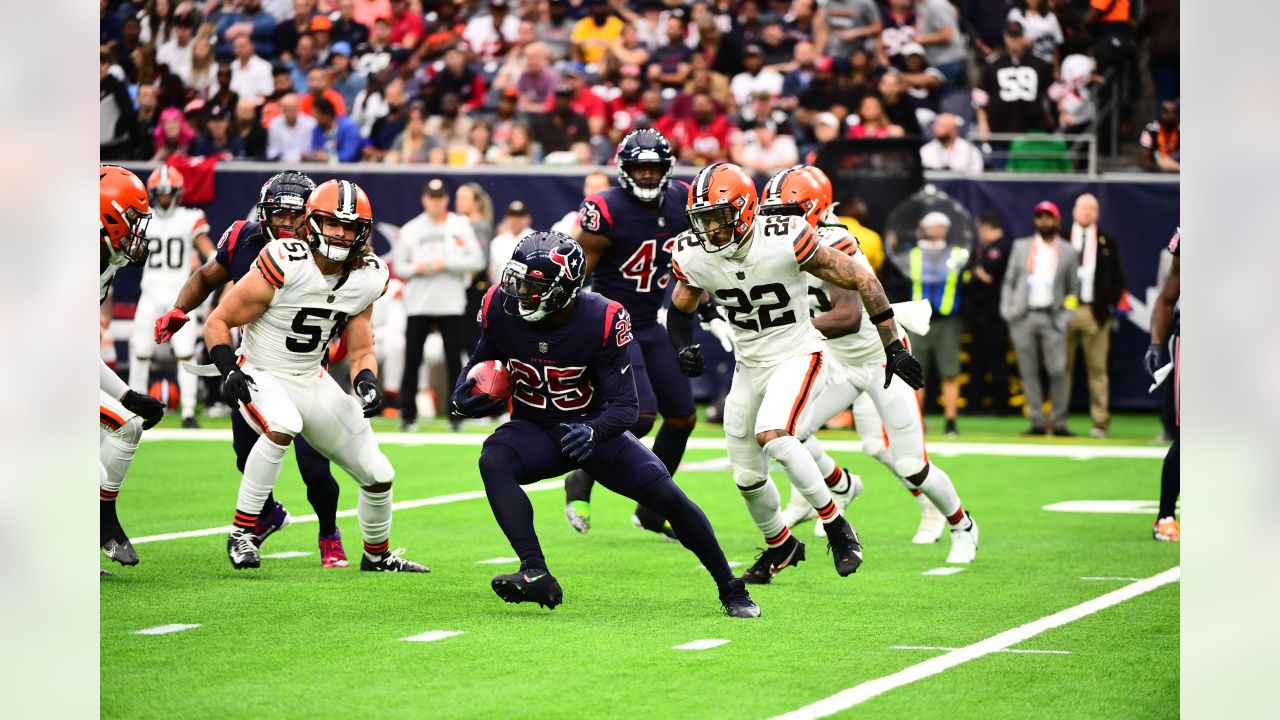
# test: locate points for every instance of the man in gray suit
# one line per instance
(1038, 301)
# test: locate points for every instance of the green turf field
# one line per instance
(291, 640)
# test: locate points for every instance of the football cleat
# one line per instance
(189, 423)
(242, 549)
(771, 561)
(853, 488)
(1167, 529)
(120, 550)
(332, 555)
(578, 513)
(530, 585)
(798, 511)
(964, 542)
(932, 522)
(391, 562)
(737, 601)
(846, 551)
(646, 519)
(269, 524)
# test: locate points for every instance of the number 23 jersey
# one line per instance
(308, 310)
(762, 288)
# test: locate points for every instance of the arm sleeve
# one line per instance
(615, 378)
(110, 383)
(679, 327)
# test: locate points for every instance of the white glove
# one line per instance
(719, 327)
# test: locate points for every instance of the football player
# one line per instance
(756, 271)
(122, 413)
(573, 400)
(281, 203)
(837, 314)
(172, 233)
(303, 292)
(1165, 331)
(627, 233)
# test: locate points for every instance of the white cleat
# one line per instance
(854, 489)
(932, 522)
(964, 543)
(798, 510)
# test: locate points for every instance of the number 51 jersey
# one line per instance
(761, 287)
(309, 309)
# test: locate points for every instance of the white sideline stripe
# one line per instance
(846, 699)
(286, 555)
(165, 629)
(950, 449)
(498, 561)
(1111, 578)
(701, 645)
(401, 505)
(1007, 650)
(432, 635)
(732, 564)
(943, 571)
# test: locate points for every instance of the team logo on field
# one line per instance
(543, 347)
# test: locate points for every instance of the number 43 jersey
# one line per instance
(309, 309)
(761, 287)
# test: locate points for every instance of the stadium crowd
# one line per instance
(762, 83)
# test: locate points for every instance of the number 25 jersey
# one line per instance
(761, 287)
(309, 309)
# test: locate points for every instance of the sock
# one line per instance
(577, 486)
(938, 488)
(764, 504)
(188, 384)
(261, 470)
(501, 469)
(951, 425)
(801, 470)
(826, 465)
(669, 445)
(1170, 481)
(780, 539)
(373, 510)
(838, 480)
(140, 373)
(115, 453)
(322, 488)
(959, 519)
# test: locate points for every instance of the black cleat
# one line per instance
(531, 585)
(391, 562)
(120, 550)
(845, 548)
(114, 543)
(189, 423)
(737, 601)
(242, 550)
(646, 519)
(771, 561)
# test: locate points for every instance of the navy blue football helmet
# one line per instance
(286, 192)
(545, 273)
(645, 162)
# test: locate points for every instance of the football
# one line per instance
(166, 391)
(492, 378)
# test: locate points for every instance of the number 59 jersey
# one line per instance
(309, 309)
(761, 287)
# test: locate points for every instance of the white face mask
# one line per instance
(334, 252)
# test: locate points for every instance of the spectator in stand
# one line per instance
(520, 148)
(322, 35)
(303, 61)
(923, 82)
(385, 130)
(156, 22)
(250, 74)
(1160, 24)
(414, 144)
(938, 30)
(537, 83)
(287, 33)
(516, 58)
(335, 137)
(558, 128)
(489, 35)
(368, 12)
(173, 135)
(145, 121)
(763, 150)
(374, 56)
(703, 138)
(592, 34)
(872, 122)
(289, 134)
(670, 66)
(824, 94)
(557, 29)
(627, 48)
(200, 74)
(761, 108)
(115, 113)
(224, 94)
(343, 78)
(584, 101)
(984, 23)
(456, 78)
(318, 89)
(126, 47)
(282, 80)
(176, 51)
(1161, 141)
(806, 20)
(1073, 95)
(778, 47)
(897, 106)
(989, 350)
(476, 149)
(514, 227)
(450, 125)
(1041, 27)
(347, 28)
(755, 77)
(217, 138)
(948, 151)
(628, 105)
(899, 21)
(251, 23)
(505, 116)
(249, 130)
(826, 127)
(1101, 291)
(853, 24)
(722, 50)
(1011, 95)
(407, 26)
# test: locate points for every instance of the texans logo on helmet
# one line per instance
(568, 262)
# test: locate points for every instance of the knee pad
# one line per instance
(642, 426)
(376, 466)
(907, 467)
(497, 460)
(749, 482)
(129, 433)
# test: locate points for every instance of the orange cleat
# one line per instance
(1167, 530)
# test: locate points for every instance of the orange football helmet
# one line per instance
(794, 191)
(346, 204)
(164, 180)
(722, 206)
(828, 193)
(124, 213)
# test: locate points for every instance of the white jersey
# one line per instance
(170, 244)
(104, 280)
(308, 310)
(857, 348)
(760, 286)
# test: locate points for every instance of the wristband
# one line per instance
(363, 375)
(880, 317)
(224, 358)
(707, 312)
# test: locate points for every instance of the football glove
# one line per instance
(692, 364)
(145, 407)
(236, 386)
(1157, 357)
(900, 362)
(168, 324)
(464, 404)
(366, 387)
(579, 441)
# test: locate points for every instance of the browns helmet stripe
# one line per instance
(702, 183)
(775, 183)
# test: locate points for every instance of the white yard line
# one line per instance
(432, 636)
(943, 571)
(846, 699)
(165, 629)
(1124, 579)
(701, 645)
(1028, 652)
(286, 555)
(498, 561)
(949, 449)
(401, 505)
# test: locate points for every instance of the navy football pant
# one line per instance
(520, 452)
(322, 488)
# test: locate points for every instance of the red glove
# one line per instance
(170, 323)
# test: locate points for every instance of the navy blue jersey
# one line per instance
(577, 372)
(636, 267)
(240, 246)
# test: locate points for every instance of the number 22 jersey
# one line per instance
(309, 308)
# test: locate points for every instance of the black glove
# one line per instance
(145, 407)
(366, 387)
(902, 363)
(579, 442)
(464, 404)
(236, 384)
(1157, 357)
(692, 364)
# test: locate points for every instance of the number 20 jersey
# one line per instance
(761, 287)
(170, 242)
(307, 311)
